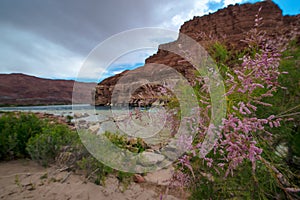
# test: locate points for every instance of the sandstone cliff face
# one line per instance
(21, 89)
(228, 25)
(234, 21)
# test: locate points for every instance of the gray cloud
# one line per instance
(52, 38)
(75, 24)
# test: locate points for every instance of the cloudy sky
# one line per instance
(53, 38)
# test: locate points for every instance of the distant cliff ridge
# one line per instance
(228, 25)
(21, 89)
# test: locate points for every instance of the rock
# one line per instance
(169, 197)
(108, 126)
(233, 22)
(80, 115)
(138, 178)
(94, 129)
(140, 169)
(171, 151)
(132, 149)
(149, 150)
(160, 177)
(170, 155)
(148, 158)
(82, 121)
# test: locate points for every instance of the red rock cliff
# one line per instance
(229, 25)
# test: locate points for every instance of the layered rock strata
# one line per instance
(229, 25)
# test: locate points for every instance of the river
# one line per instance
(108, 119)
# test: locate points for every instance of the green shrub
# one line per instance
(242, 185)
(15, 131)
(264, 183)
(286, 105)
(94, 170)
(219, 52)
(25, 135)
(136, 145)
(44, 147)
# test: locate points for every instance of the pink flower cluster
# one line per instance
(238, 139)
(179, 179)
(246, 85)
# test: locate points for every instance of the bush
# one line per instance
(25, 135)
(219, 52)
(136, 145)
(244, 184)
(94, 170)
(15, 131)
(275, 174)
(44, 147)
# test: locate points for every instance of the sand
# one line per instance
(25, 179)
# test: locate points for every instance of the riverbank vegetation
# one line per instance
(24, 135)
(249, 162)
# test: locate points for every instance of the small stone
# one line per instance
(138, 178)
(170, 155)
(77, 115)
(94, 129)
(133, 141)
(148, 158)
(149, 150)
(82, 121)
(85, 115)
(139, 169)
(160, 177)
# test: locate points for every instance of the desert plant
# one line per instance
(44, 147)
(15, 130)
(244, 163)
(136, 145)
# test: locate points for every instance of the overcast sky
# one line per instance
(52, 38)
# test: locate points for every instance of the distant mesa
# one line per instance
(21, 89)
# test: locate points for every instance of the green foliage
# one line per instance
(286, 105)
(117, 139)
(136, 145)
(219, 52)
(286, 101)
(97, 172)
(69, 119)
(94, 170)
(24, 135)
(44, 147)
(173, 103)
(263, 183)
(244, 184)
(125, 178)
(15, 131)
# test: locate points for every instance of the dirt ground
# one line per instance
(25, 179)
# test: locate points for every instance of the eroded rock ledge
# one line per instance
(229, 25)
